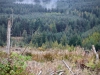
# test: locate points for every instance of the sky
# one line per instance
(48, 5)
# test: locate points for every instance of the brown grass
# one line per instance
(50, 61)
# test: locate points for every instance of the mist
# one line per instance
(25, 2)
(50, 4)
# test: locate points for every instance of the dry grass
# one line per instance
(46, 67)
(50, 61)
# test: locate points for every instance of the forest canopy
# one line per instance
(69, 22)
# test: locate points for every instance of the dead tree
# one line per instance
(10, 23)
(8, 35)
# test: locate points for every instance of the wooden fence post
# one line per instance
(94, 50)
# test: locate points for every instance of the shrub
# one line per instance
(70, 48)
(28, 53)
(93, 39)
(48, 57)
(16, 66)
(75, 41)
(97, 46)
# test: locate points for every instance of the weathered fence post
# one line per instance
(94, 50)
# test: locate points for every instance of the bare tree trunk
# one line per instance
(8, 36)
(11, 18)
(10, 23)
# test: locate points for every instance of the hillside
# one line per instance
(50, 37)
(44, 22)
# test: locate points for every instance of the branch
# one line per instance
(52, 73)
(40, 73)
(61, 73)
(68, 67)
(24, 50)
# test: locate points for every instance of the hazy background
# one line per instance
(48, 4)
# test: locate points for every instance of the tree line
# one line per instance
(57, 27)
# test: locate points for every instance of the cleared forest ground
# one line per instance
(59, 62)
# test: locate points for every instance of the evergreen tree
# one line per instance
(75, 41)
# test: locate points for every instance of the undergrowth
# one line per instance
(77, 59)
(15, 66)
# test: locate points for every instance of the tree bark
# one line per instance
(10, 23)
(8, 36)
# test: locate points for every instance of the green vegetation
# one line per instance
(92, 39)
(71, 23)
(16, 66)
(52, 35)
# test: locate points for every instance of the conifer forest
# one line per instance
(56, 37)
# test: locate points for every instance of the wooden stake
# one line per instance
(94, 50)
